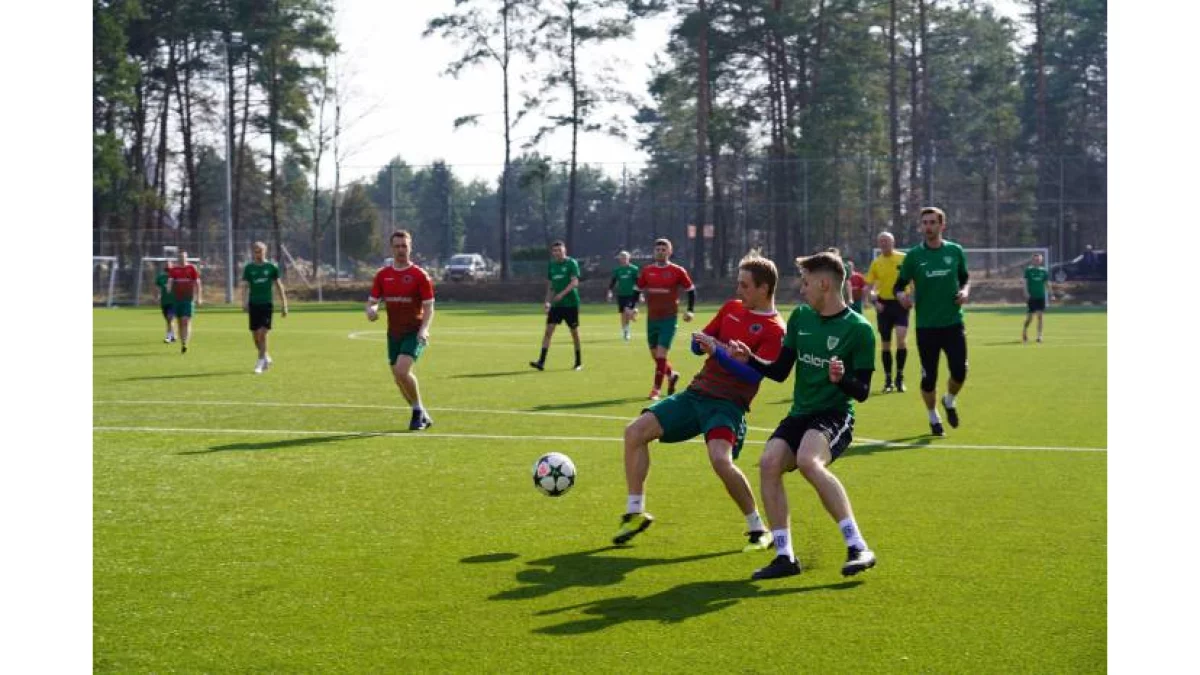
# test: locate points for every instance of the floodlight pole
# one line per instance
(228, 184)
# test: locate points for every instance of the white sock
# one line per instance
(948, 400)
(417, 406)
(635, 504)
(754, 522)
(783, 543)
(934, 418)
(851, 534)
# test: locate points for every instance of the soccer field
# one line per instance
(290, 522)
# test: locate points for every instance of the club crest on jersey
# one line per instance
(831, 343)
(756, 328)
(407, 279)
(947, 259)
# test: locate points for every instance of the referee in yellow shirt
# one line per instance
(889, 313)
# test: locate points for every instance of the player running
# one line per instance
(624, 276)
(1037, 292)
(833, 349)
(183, 281)
(715, 404)
(166, 300)
(938, 269)
(562, 301)
(259, 279)
(659, 283)
(408, 294)
(889, 313)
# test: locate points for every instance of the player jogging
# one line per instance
(260, 278)
(938, 270)
(166, 300)
(562, 301)
(660, 283)
(624, 276)
(714, 404)
(1037, 292)
(833, 350)
(889, 313)
(183, 281)
(408, 294)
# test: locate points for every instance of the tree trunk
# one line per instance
(702, 113)
(160, 173)
(917, 148)
(893, 119)
(570, 233)
(183, 97)
(1039, 50)
(240, 163)
(504, 271)
(926, 136)
(273, 124)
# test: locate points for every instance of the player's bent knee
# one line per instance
(928, 382)
(959, 373)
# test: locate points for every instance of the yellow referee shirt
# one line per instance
(883, 273)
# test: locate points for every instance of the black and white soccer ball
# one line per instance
(554, 474)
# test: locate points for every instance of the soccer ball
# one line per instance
(554, 474)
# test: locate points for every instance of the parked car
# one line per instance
(466, 267)
(1078, 270)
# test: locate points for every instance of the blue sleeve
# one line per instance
(696, 348)
(739, 369)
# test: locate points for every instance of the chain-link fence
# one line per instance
(785, 207)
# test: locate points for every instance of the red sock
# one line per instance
(660, 371)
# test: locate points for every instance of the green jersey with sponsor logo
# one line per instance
(816, 339)
(1035, 281)
(936, 274)
(261, 278)
(625, 276)
(560, 274)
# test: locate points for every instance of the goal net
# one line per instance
(104, 279)
(997, 263)
(144, 290)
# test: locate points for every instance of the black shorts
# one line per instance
(168, 311)
(931, 342)
(557, 315)
(1036, 305)
(260, 316)
(893, 314)
(625, 302)
(836, 427)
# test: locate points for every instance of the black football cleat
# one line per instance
(937, 429)
(420, 420)
(857, 560)
(900, 385)
(535, 364)
(780, 566)
(951, 414)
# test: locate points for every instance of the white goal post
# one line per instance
(109, 261)
(141, 272)
(996, 263)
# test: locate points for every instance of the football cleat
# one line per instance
(951, 414)
(535, 364)
(857, 560)
(760, 540)
(654, 395)
(937, 429)
(632, 524)
(420, 420)
(671, 382)
(900, 385)
(887, 387)
(781, 566)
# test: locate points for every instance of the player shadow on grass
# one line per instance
(588, 404)
(673, 605)
(179, 376)
(584, 568)
(282, 445)
(507, 373)
(890, 445)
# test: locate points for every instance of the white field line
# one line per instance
(532, 413)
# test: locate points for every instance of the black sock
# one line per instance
(901, 357)
(887, 365)
(542, 358)
(578, 358)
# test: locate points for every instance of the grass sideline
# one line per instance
(313, 533)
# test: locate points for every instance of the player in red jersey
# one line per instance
(183, 281)
(714, 404)
(408, 294)
(660, 283)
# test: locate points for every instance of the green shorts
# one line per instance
(686, 415)
(183, 308)
(661, 332)
(406, 344)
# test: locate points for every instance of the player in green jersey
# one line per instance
(833, 350)
(166, 300)
(937, 268)
(624, 278)
(1037, 292)
(259, 279)
(562, 301)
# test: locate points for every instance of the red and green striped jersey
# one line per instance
(403, 291)
(661, 285)
(183, 282)
(762, 332)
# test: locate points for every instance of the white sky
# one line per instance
(397, 75)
